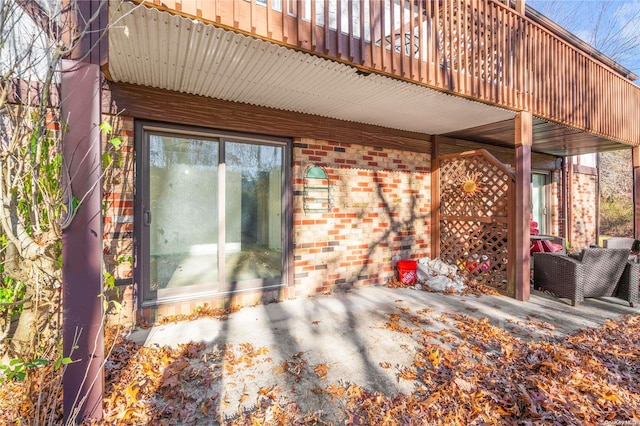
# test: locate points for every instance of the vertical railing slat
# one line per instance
(313, 41)
(491, 54)
(521, 47)
(551, 77)
(432, 35)
(485, 51)
(413, 64)
(538, 64)
(579, 90)
(502, 75)
(323, 31)
(270, 20)
(513, 39)
(326, 30)
(593, 72)
(253, 17)
(376, 31)
(545, 74)
(402, 42)
(423, 43)
(304, 27)
(557, 80)
(225, 12)
(474, 26)
(241, 16)
(392, 36)
(386, 54)
(456, 41)
(365, 56)
(403, 65)
(584, 92)
(441, 46)
(468, 47)
(290, 19)
(341, 46)
(353, 51)
(562, 92)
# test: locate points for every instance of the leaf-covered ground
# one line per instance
(463, 371)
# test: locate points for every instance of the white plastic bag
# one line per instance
(438, 275)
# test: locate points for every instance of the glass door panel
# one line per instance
(253, 213)
(539, 200)
(183, 212)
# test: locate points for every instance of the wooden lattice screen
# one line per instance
(474, 218)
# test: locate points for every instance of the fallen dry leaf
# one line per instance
(321, 371)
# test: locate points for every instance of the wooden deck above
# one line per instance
(476, 49)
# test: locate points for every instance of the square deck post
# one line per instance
(84, 32)
(82, 244)
(519, 286)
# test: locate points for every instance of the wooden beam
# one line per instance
(636, 191)
(161, 105)
(521, 214)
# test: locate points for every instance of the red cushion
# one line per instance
(551, 247)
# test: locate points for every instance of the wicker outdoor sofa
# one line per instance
(595, 272)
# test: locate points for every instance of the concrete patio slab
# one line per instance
(349, 333)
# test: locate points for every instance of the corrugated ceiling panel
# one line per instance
(154, 48)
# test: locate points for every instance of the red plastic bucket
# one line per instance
(407, 271)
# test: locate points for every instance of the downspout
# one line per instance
(561, 200)
(635, 166)
(568, 173)
(597, 198)
(435, 198)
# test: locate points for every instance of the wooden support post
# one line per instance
(82, 243)
(520, 285)
(84, 33)
(636, 191)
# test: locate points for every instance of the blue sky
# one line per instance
(612, 26)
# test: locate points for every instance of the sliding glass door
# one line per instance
(539, 201)
(210, 213)
(182, 213)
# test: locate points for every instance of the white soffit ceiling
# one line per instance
(153, 48)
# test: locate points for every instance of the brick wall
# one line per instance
(584, 193)
(118, 183)
(380, 208)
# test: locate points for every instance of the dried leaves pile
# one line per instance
(464, 370)
(485, 375)
(204, 311)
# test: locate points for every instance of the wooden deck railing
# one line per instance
(480, 49)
